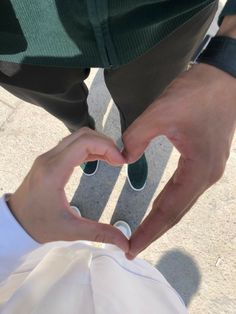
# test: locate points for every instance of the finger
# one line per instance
(134, 144)
(112, 156)
(86, 147)
(112, 161)
(105, 148)
(64, 142)
(182, 190)
(89, 148)
(71, 138)
(85, 229)
(140, 133)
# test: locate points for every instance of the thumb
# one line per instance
(136, 139)
(150, 124)
(112, 156)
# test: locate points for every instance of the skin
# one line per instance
(197, 113)
(40, 204)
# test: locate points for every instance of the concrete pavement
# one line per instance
(197, 256)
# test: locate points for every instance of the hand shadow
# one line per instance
(182, 272)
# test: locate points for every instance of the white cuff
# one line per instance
(14, 240)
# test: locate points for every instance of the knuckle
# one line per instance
(39, 165)
(216, 173)
(103, 235)
(42, 169)
(40, 160)
(85, 137)
(163, 213)
(100, 237)
(84, 131)
(86, 141)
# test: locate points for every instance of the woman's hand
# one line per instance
(40, 204)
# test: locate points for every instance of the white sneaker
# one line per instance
(124, 227)
(76, 209)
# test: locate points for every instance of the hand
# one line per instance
(40, 203)
(228, 27)
(197, 113)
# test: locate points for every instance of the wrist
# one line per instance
(15, 206)
(13, 238)
(220, 53)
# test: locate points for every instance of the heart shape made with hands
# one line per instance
(40, 204)
(189, 113)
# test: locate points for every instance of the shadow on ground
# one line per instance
(182, 272)
(93, 192)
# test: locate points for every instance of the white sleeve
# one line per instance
(14, 241)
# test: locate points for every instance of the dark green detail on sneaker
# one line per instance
(137, 174)
(89, 168)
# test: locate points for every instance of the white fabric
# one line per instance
(14, 241)
(79, 278)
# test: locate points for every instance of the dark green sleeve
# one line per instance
(229, 9)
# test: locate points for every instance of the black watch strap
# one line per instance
(221, 53)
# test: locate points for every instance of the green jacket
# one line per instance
(89, 33)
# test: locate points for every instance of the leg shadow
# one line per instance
(98, 99)
(93, 192)
(182, 273)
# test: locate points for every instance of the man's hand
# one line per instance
(197, 113)
(40, 203)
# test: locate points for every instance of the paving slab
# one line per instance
(5, 113)
(8, 99)
(197, 256)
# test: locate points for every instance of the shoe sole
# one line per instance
(92, 174)
(125, 225)
(76, 209)
(130, 184)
